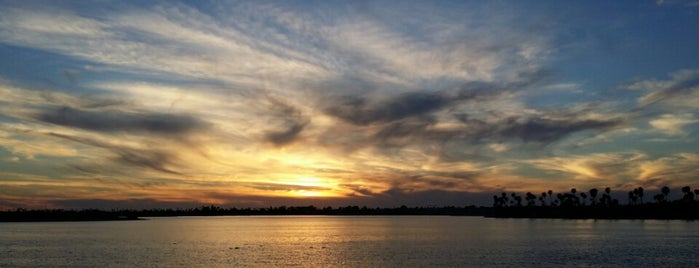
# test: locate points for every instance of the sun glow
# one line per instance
(314, 187)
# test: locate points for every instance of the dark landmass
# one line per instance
(99, 215)
(569, 205)
(22, 215)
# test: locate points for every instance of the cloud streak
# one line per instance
(117, 121)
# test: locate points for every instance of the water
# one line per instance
(390, 241)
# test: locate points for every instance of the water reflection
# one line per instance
(349, 241)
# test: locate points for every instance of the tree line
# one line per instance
(598, 204)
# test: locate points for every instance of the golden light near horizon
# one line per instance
(314, 187)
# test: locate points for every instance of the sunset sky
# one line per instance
(380, 103)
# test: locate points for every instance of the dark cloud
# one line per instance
(292, 122)
(118, 121)
(358, 190)
(474, 131)
(547, 130)
(363, 110)
(360, 111)
(285, 136)
(154, 159)
(395, 131)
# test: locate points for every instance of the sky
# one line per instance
(146, 104)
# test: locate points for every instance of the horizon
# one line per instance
(125, 104)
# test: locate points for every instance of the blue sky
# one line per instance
(379, 103)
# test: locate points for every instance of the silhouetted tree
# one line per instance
(593, 195)
(666, 192)
(606, 199)
(688, 194)
(518, 199)
(583, 197)
(560, 198)
(550, 196)
(531, 199)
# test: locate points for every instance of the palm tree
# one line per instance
(606, 197)
(574, 198)
(584, 197)
(688, 195)
(504, 199)
(531, 199)
(640, 194)
(593, 195)
(666, 192)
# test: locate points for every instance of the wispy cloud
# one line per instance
(673, 124)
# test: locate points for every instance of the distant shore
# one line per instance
(46, 215)
(23, 215)
(647, 211)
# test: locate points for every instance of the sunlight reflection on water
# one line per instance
(348, 241)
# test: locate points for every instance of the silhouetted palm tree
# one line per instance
(593, 195)
(688, 194)
(560, 198)
(531, 199)
(640, 194)
(666, 192)
(583, 196)
(606, 199)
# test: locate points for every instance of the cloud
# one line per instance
(357, 110)
(292, 119)
(671, 170)
(285, 136)
(117, 121)
(673, 124)
(546, 130)
(152, 158)
(681, 90)
(595, 169)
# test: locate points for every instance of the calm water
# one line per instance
(349, 241)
